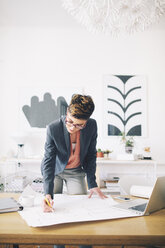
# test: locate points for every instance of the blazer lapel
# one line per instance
(66, 137)
(82, 144)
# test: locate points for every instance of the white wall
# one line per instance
(41, 46)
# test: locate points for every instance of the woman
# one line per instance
(70, 152)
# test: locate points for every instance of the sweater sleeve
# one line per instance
(90, 159)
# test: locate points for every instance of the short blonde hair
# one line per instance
(81, 106)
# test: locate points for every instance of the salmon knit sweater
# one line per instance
(74, 159)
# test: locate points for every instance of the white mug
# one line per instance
(27, 200)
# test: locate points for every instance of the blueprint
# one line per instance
(72, 208)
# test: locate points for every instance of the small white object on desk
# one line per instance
(27, 200)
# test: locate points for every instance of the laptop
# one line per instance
(141, 207)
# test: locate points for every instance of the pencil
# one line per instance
(47, 201)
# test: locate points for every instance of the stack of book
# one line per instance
(112, 185)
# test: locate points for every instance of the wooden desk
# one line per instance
(148, 230)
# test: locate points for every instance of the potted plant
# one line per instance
(100, 153)
(106, 153)
(128, 142)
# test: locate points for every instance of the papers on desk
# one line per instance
(69, 208)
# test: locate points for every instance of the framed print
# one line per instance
(124, 105)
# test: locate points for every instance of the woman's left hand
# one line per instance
(98, 192)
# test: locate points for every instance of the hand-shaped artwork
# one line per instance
(41, 113)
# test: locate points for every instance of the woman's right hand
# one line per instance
(45, 206)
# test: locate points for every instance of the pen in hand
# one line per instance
(48, 203)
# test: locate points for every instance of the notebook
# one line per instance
(9, 205)
(144, 207)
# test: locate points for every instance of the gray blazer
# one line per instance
(57, 152)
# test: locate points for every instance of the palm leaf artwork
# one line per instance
(124, 105)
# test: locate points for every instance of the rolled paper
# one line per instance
(141, 191)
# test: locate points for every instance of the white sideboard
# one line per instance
(107, 169)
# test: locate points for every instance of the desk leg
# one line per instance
(15, 246)
(8, 246)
